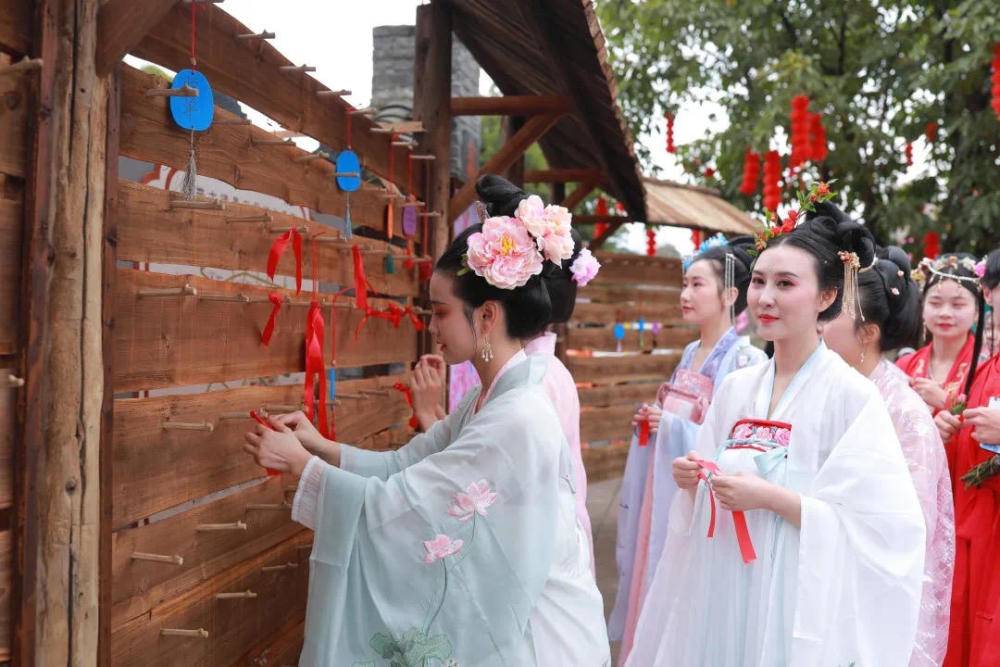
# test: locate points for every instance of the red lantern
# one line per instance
(930, 131)
(650, 242)
(908, 152)
(818, 149)
(995, 81)
(751, 172)
(772, 176)
(601, 208)
(670, 134)
(709, 173)
(696, 238)
(932, 245)
(801, 147)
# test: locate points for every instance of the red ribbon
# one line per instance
(408, 395)
(705, 470)
(276, 299)
(278, 249)
(360, 280)
(644, 433)
(315, 366)
(391, 313)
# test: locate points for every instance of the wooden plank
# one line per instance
(150, 231)
(11, 229)
(184, 340)
(141, 585)
(579, 193)
(15, 27)
(638, 270)
(610, 423)
(14, 134)
(146, 456)
(603, 338)
(630, 394)
(6, 576)
(282, 650)
(510, 105)
(121, 25)
(232, 625)
(616, 293)
(228, 153)
(8, 433)
(625, 368)
(249, 71)
(611, 313)
(606, 462)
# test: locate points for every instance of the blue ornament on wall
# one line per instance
(348, 171)
(619, 332)
(192, 112)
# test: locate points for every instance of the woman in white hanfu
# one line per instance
(890, 302)
(714, 292)
(461, 548)
(798, 538)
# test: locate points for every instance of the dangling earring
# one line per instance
(863, 357)
(486, 353)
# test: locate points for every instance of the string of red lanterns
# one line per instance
(671, 148)
(772, 177)
(751, 172)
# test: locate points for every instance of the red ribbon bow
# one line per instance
(705, 470)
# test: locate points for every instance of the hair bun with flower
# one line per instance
(511, 249)
(819, 193)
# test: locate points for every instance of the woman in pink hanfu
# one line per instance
(890, 302)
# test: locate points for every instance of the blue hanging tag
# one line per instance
(332, 383)
(348, 171)
(193, 113)
(390, 263)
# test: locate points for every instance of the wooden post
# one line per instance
(431, 101)
(58, 465)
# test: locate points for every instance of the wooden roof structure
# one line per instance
(679, 205)
(557, 48)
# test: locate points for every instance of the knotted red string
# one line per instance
(360, 280)
(276, 299)
(391, 313)
(644, 433)
(278, 249)
(408, 395)
(705, 470)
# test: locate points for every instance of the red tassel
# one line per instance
(932, 245)
(772, 176)
(751, 172)
(709, 173)
(670, 134)
(995, 81)
(278, 249)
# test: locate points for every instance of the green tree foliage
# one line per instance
(878, 71)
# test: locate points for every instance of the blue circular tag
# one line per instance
(348, 163)
(619, 331)
(193, 113)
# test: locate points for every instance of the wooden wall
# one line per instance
(613, 379)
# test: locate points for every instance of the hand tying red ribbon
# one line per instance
(263, 422)
(278, 249)
(706, 469)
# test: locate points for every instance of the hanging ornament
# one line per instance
(348, 175)
(772, 176)
(670, 134)
(650, 242)
(908, 153)
(641, 326)
(696, 238)
(799, 135)
(601, 209)
(618, 331)
(709, 173)
(931, 131)
(932, 245)
(995, 81)
(410, 210)
(751, 172)
(818, 148)
(195, 110)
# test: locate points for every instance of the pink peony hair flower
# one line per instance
(980, 268)
(440, 547)
(504, 253)
(584, 267)
(475, 500)
(550, 225)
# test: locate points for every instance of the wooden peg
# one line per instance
(26, 64)
(347, 174)
(297, 68)
(271, 142)
(281, 229)
(278, 568)
(225, 416)
(209, 527)
(188, 426)
(158, 558)
(201, 204)
(350, 396)
(430, 214)
(413, 204)
(367, 111)
(392, 195)
(200, 633)
(423, 157)
(333, 93)
(329, 239)
(257, 35)
(186, 290)
(242, 595)
(403, 143)
(282, 408)
(183, 91)
(302, 547)
(232, 121)
(277, 507)
(13, 381)
(263, 217)
(375, 392)
(238, 298)
(309, 157)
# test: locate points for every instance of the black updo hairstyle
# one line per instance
(826, 232)
(501, 197)
(739, 247)
(991, 278)
(890, 299)
(951, 267)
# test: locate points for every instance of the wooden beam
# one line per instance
(599, 241)
(580, 193)
(431, 90)
(586, 219)
(563, 175)
(121, 25)
(511, 105)
(532, 131)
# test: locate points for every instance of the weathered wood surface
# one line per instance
(618, 268)
(149, 230)
(603, 338)
(605, 462)
(14, 113)
(616, 293)
(164, 341)
(233, 626)
(607, 395)
(15, 27)
(283, 650)
(249, 72)
(6, 584)
(625, 368)
(611, 423)
(156, 469)
(122, 24)
(229, 153)
(610, 313)
(11, 230)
